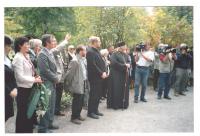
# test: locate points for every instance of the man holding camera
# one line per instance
(144, 58)
(182, 64)
(166, 63)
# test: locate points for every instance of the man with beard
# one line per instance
(119, 79)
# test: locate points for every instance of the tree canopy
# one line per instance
(170, 25)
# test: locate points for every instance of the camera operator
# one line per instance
(144, 58)
(166, 63)
(182, 65)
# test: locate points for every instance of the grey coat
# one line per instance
(47, 67)
(48, 72)
(74, 77)
(58, 58)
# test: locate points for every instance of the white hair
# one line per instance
(183, 45)
(34, 42)
(70, 47)
(104, 52)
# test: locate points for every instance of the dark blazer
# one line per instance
(10, 84)
(70, 57)
(95, 64)
(133, 63)
(33, 57)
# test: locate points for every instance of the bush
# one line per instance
(66, 100)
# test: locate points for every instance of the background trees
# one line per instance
(172, 25)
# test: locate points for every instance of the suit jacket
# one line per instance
(10, 84)
(95, 64)
(33, 57)
(70, 57)
(65, 59)
(74, 76)
(24, 71)
(47, 67)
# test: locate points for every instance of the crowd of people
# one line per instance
(90, 73)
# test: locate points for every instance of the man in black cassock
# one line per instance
(118, 95)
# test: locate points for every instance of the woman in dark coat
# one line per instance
(10, 82)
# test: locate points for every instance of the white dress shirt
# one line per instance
(84, 67)
(7, 62)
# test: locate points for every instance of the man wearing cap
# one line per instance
(182, 64)
(119, 88)
(143, 59)
(96, 74)
(166, 64)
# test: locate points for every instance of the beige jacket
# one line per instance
(23, 70)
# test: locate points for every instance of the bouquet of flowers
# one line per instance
(38, 101)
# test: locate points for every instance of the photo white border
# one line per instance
(72, 3)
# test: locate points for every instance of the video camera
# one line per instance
(140, 47)
(187, 49)
(166, 50)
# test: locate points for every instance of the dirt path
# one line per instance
(163, 115)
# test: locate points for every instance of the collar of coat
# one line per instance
(95, 49)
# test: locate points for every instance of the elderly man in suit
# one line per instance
(96, 74)
(76, 77)
(60, 72)
(48, 72)
(35, 48)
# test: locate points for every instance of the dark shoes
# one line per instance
(99, 114)
(181, 93)
(136, 100)
(143, 100)
(92, 115)
(45, 131)
(53, 126)
(176, 94)
(59, 113)
(76, 121)
(159, 97)
(167, 97)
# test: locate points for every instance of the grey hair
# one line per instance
(93, 39)
(33, 42)
(104, 52)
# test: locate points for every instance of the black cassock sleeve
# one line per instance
(116, 64)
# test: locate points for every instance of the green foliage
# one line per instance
(171, 25)
(66, 100)
(181, 12)
(173, 29)
(38, 100)
(42, 20)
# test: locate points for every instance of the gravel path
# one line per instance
(176, 115)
